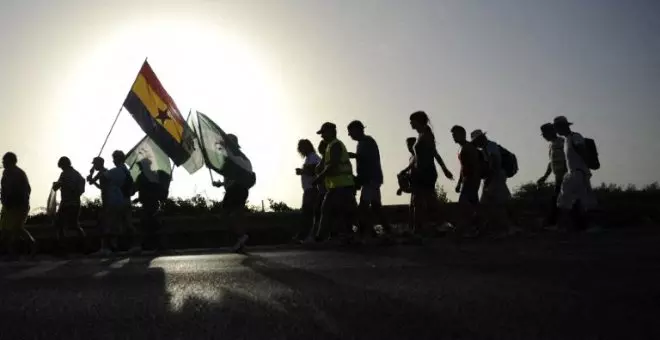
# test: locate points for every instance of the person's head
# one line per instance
(305, 147)
(9, 160)
(459, 134)
(64, 163)
(548, 132)
(232, 137)
(144, 164)
(328, 131)
(118, 158)
(98, 163)
(410, 143)
(479, 139)
(323, 145)
(356, 130)
(562, 126)
(419, 121)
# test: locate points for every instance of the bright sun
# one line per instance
(202, 67)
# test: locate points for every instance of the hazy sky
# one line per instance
(273, 71)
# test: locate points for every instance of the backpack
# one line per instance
(484, 167)
(80, 184)
(591, 157)
(509, 162)
(127, 186)
(404, 182)
(250, 180)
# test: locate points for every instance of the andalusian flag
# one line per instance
(158, 116)
(222, 153)
(196, 160)
(147, 159)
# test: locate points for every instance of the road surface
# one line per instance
(606, 287)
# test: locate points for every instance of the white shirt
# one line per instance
(557, 156)
(311, 159)
(574, 161)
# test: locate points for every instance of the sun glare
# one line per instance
(202, 66)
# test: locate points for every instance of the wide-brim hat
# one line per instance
(561, 120)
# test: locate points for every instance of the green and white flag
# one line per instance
(223, 153)
(146, 157)
(196, 160)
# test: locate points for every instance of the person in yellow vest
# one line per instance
(339, 208)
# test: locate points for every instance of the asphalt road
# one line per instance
(593, 287)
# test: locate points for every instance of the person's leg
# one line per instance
(553, 214)
(350, 209)
(235, 200)
(307, 215)
(318, 203)
(364, 219)
(150, 225)
(468, 204)
(567, 200)
(377, 208)
(327, 218)
(15, 219)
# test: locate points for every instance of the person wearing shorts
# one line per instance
(71, 186)
(369, 179)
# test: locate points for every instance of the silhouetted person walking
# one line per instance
(310, 192)
(238, 181)
(71, 185)
(469, 180)
(556, 166)
(576, 197)
(404, 178)
(424, 174)
(369, 179)
(15, 198)
(495, 196)
(151, 191)
(101, 182)
(339, 205)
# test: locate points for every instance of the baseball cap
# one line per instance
(327, 126)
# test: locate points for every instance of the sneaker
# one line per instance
(240, 244)
(103, 252)
(135, 250)
(552, 227)
(594, 230)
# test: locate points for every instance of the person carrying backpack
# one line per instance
(118, 217)
(495, 195)
(71, 185)
(576, 197)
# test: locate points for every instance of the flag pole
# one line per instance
(111, 128)
(118, 113)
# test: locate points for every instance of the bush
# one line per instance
(622, 206)
(278, 206)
